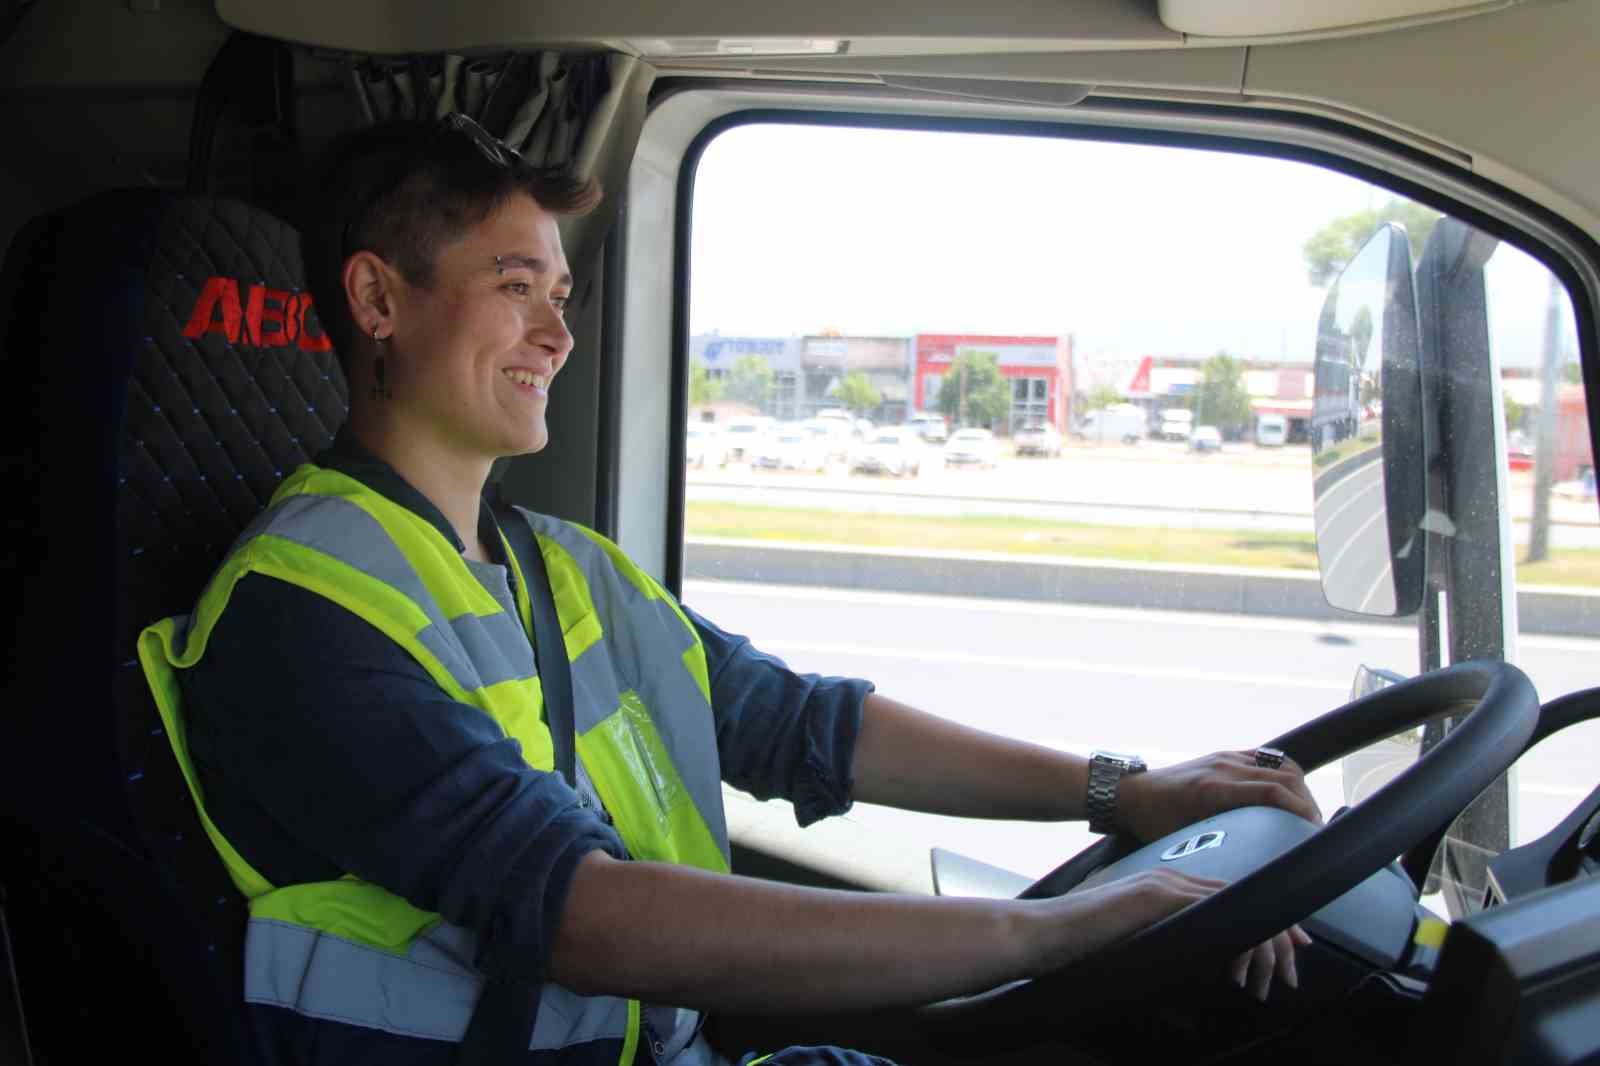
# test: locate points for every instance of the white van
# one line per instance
(1272, 431)
(1176, 423)
(1125, 422)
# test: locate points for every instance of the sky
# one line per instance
(1133, 249)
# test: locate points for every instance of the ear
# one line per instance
(369, 284)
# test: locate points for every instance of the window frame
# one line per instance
(688, 114)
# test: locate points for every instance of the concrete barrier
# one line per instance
(1232, 590)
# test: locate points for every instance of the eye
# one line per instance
(517, 288)
(561, 303)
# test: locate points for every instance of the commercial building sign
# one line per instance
(1015, 354)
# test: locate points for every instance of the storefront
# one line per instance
(1036, 369)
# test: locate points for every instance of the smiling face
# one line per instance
(471, 356)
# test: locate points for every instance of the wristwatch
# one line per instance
(1106, 770)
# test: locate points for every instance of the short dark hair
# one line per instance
(404, 189)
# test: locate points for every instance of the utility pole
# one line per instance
(961, 408)
(1544, 453)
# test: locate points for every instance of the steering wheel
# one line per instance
(1280, 881)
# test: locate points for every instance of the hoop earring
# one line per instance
(380, 388)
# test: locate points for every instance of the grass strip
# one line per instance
(1177, 546)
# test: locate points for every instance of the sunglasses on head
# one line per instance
(487, 144)
(450, 126)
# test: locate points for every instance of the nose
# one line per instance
(548, 331)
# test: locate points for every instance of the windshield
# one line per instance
(1172, 299)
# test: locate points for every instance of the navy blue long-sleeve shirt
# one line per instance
(325, 749)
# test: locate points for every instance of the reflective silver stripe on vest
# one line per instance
(476, 651)
(496, 645)
(647, 654)
(428, 994)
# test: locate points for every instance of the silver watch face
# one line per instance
(1124, 762)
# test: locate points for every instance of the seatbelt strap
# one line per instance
(502, 1022)
(549, 647)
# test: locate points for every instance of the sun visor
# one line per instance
(1237, 20)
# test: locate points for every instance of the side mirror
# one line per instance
(1366, 433)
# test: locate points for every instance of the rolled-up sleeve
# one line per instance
(328, 750)
(781, 733)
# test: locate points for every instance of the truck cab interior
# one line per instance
(167, 370)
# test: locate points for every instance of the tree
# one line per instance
(750, 381)
(974, 393)
(1221, 398)
(1335, 244)
(1545, 427)
(857, 393)
(1101, 396)
(702, 388)
(1516, 412)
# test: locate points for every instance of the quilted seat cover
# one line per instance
(168, 370)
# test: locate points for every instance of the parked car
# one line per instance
(744, 434)
(1581, 487)
(1040, 439)
(931, 427)
(894, 450)
(704, 446)
(1205, 439)
(832, 433)
(1519, 450)
(972, 447)
(792, 447)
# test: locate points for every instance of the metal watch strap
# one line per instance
(1106, 770)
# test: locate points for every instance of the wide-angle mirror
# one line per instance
(1366, 433)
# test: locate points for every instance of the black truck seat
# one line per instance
(166, 370)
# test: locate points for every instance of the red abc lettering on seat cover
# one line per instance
(266, 307)
(203, 319)
(309, 342)
(282, 308)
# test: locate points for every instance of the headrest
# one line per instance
(233, 383)
(179, 373)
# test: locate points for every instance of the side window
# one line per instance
(1144, 578)
(1550, 482)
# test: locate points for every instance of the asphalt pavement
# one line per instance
(1169, 685)
(1350, 513)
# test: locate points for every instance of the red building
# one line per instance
(1038, 369)
(1573, 455)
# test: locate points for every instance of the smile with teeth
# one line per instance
(528, 378)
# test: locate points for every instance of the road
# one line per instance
(1350, 513)
(1166, 685)
(1152, 484)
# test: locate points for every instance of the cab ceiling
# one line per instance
(725, 29)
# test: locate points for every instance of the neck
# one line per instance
(452, 480)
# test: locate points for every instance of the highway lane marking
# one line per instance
(1355, 538)
(1322, 527)
(1061, 665)
(1387, 575)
